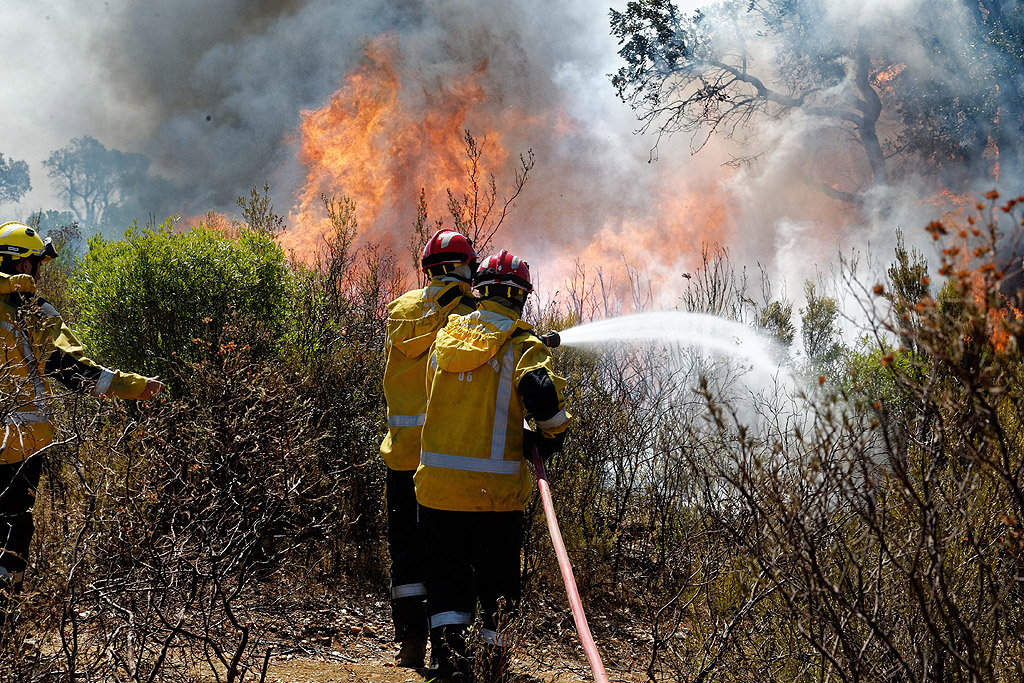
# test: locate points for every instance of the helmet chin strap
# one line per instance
(460, 272)
(509, 297)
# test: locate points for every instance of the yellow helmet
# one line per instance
(18, 241)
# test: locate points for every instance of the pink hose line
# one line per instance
(593, 657)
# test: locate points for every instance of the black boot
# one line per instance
(448, 660)
(10, 585)
(410, 617)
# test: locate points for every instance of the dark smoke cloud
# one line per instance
(221, 84)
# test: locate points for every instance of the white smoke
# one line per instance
(212, 91)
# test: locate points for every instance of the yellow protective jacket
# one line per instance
(488, 372)
(413, 321)
(38, 346)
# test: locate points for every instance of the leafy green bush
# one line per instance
(145, 298)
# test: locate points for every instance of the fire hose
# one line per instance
(582, 629)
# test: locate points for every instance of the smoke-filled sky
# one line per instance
(216, 92)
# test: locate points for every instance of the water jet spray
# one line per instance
(699, 330)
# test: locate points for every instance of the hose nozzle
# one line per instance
(551, 339)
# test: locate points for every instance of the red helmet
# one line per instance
(447, 246)
(503, 269)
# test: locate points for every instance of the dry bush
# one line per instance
(868, 530)
(863, 530)
(167, 521)
(337, 336)
(871, 528)
(644, 553)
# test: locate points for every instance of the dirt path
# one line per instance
(370, 661)
(353, 644)
(356, 666)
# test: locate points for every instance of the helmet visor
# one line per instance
(48, 253)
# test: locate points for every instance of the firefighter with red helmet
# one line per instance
(413, 321)
(37, 347)
(488, 372)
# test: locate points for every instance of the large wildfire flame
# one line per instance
(369, 144)
(384, 136)
(389, 132)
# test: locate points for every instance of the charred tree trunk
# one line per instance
(871, 108)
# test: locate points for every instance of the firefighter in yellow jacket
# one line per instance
(413, 321)
(488, 372)
(37, 347)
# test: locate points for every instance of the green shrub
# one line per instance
(144, 299)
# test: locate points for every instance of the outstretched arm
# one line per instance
(68, 364)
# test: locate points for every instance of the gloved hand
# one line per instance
(551, 339)
(546, 446)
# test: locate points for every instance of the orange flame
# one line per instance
(884, 77)
(385, 134)
(955, 207)
(667, 245)
(370, 143)
(212, 220)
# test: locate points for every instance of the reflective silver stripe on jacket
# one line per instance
(427, 303)
(493, 637)
(104, 382)
(40, 414)
(469, 463)
(406, 420)
(428, 300)
(450, 619)
(502, 322)
(501, 407)
(559, 418)
(408, 590)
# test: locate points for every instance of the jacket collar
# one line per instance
(495, 307)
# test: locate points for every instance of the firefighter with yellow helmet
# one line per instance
(37, 347)
(413, 320)
(488, 372)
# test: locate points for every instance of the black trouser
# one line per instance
(472, 556)
(18, 483)
(408, 579)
